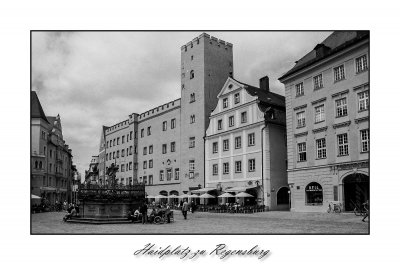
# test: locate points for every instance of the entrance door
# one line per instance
(356, 191)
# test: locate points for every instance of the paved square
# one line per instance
(214, 223)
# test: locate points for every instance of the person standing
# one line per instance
(185, 208)
(366, 208)
(143, 211)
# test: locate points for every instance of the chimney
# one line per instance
(264, 83)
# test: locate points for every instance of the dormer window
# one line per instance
(192, 74)
(225, 103)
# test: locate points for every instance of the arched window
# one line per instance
(314, 194)
(40, 165)
(36, 164)
(191, 74)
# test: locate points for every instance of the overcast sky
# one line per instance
(98, 78)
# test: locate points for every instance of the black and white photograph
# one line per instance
(184, 132)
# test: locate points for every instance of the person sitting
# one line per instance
(152, 215)
(70, 212)
(136, 215)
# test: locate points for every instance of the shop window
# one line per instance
(314, 194)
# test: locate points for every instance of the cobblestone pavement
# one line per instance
(214, 223)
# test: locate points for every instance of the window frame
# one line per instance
(343, 148)
(225, 103)
(318, 82)
(215, 147)
(339, 73)
(251, 165)
(300, 121)
(238, 146)
(364, 65)
(363, 101)
(364, 141)
(320, 147)
(299, 89)
(231, 121)
(319, 116)
(225, 145)
(253, 137)
(236, 97)
(238, 170)
(302, 150)
(225, 168)
(243, 117)
(341, 109)
(215, 169)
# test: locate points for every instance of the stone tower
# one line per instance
(206, 63)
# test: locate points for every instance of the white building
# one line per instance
(245, 144)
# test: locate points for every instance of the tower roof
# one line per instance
(36, 108)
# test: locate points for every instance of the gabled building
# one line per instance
(245, 148)
(51, 157)
(327, 118)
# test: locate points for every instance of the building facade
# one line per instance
(164, 146)
(327, 117)
(51, 157)
(245, 144)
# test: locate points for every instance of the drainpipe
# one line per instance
(262, 162)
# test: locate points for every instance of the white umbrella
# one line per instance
(193, 196)
(183, 196)
(35, 197)
(150, 197)
(243, 194)
(160, 197)
(226, 195)
(206, 196)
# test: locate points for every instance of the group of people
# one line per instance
(148, 213)
(72, 211)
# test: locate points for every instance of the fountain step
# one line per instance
(100, 220)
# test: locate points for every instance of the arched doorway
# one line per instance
(355, 190)
(282, 198)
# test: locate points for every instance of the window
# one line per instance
(114, 142)
(176, 173)
(136, 151)
(243, 117)
(130, 165)
(191, 58)
(140, 180)
(123, 139)
(343, 144)
(142, 133)
(361, 64)
(238, 166)
(318, 81)
(118, 141)
(219, 124)
(321, 148)
(161, 175)
(251, 139)
(192, 118)
(107, 144)
(173, 123)
(226, 168)
(122, 152)
(149, 130)
(144, 150)
(338, 73)
(135, 166)
(150, 179)
(319, 113)
(164, 126)
(191, 165)
(299, 89)
(341, 107)
(252, 165)
(225, 144)
(169, 174)
(135, 134)
(237, 98)
(363, 100)
(314, 193)
(122, 168)
(164, 148)
(151, 163)
(301, 119)
(225, 103)
(51, 153)
(364, 140)
(192, 98)
(118, 154)
(130, 135)
(150, 149)
(215, 169)
(231, 121)
(172, 146)
(302, 152)
(130, 150)
(238, 142)
(191, 142)
(144, 164)
(215, 147)
(106, 157)
(191, 74)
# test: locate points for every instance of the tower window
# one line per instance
(192, 118)
(192, 98)
(191, 74)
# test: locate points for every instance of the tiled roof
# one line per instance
(334, 43)
(36, 107)
(265, 97)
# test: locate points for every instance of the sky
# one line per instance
(93, 79)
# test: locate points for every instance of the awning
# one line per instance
(239, 189)
(202, 190)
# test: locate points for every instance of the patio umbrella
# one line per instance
(35, 197)
(243, 195)
(193, 196)
(206, 196)
(226, 195)
(150, 197)
(160, 197)
(182, 196)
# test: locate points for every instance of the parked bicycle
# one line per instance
(335, 207)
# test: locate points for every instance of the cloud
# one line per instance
(98, 78)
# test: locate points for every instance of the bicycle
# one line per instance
(335, 207)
